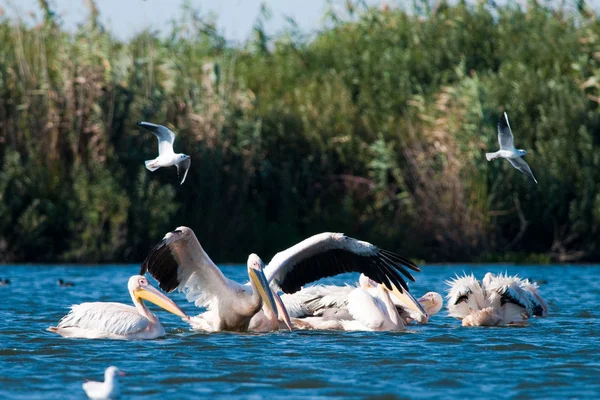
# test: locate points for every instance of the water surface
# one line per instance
(554, 357)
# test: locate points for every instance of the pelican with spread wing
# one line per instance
(180, 262)
(99, 320)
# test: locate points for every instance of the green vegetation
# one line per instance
(377, 127)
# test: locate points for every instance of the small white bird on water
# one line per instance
(109, 389)
(166, 155)
(508, 150)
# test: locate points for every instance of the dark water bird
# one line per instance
(166, 155)
(65, 284)
(4, 282)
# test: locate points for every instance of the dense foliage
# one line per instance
(377, 126)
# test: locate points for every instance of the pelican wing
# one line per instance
(329, 254)
(540, 308)
(116, 318)
(165, 136)
(505, 135)
(315, 300)
(509, 289)
(522, 166)
(180, 262)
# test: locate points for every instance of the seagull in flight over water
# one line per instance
(166, 155)
(508, 150)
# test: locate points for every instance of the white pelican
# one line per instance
(369, 308)
(180, 262)
(498, 300)
(109, 389)
(331, 302)
(116, 320)
(465, 293)
(166, 155)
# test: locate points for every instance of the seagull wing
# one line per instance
(165, 136)
(522, 166)
(505, 135)
(185, 166)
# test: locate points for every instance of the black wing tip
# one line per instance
(503, 120)
(162, 266)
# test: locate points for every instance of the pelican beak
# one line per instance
(122, 373)
(260, 281)
(426, 302)
(283, 313)
(410, 303)
(156, 297)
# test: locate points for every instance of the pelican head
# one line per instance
(405, 300)
(365, 282)
(141, 289)
(432, 302)
(260, 283)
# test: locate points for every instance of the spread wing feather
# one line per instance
(180, 262)
(329, 254)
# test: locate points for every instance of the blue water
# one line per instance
(554, 357)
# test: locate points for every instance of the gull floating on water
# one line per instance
(166, 155)
(109, 389)
(4, 282)
(508, 150)
(99, 320)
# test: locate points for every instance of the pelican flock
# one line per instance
(180, 262)
(278, 296)
(99, 320)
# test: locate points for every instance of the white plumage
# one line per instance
(109, 389)
(326, 306)
(508, 150)
(497, 300)
(180, 262)
(99, 320)
(166, 155)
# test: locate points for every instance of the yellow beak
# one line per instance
(260, 281)
(283, 313)
(409, 302)
(156, 297)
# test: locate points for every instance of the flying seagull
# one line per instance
(166, 155)
(507, 148)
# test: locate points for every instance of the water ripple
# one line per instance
(553, 357)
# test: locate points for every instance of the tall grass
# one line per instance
(376, 126)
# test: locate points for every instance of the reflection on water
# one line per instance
(554, 357)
